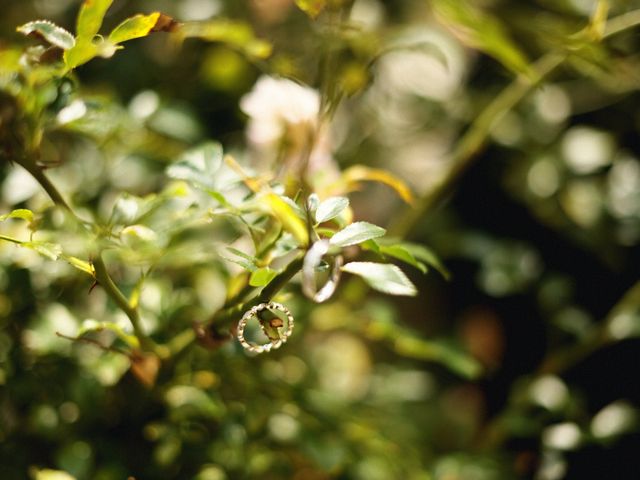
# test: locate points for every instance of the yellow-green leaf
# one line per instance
(358, 173)
(261, 277)
(81, 265)
(82, 52)
(90, 18)
(598, 21)
(287, 216)
(22, 213)
(455, 359)
(47, 474)
(51, 32)
(234, 33)
(311, 7)
(482, 31)
(134, 27)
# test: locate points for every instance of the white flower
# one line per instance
(283, 119)
(276, 106)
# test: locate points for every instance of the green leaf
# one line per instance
(90, 326)
(81, 53)
(198, 165)
(294, 206)
(287, 216)
(426, 255)
(482, 31)
(90, 18)
(47, 474)
(246, 265)
(355, 233)
(81, 265)
(236, 34)
(261, 277)
(22, 213)
(50, 250)
(134, 27)
(401, 253)
(383, 277)
(51, 32)
(331, 208)
(138, 236)
(241, 254)
(450, 356)
(311, 7)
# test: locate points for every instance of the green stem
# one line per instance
(106, 282)
(10, 239)
(225, 318)
(36, 172)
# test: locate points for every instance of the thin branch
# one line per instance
(36, 172)
(91, 341)
(109, 286)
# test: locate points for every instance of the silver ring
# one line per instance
(273, 344)
(311, 260)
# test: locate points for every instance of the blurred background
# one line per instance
(522, 364)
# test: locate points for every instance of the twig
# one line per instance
(109, 286)
(91, 341)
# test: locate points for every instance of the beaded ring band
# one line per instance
(253, 312)
(311, 260)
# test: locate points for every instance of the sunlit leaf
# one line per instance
(311, 7)
(383, 277)
(261, 277)
(402, 253)
(355, 233)
(198, 165)
(426, 255)
(47, 474)
(193, 401)
(90, 18)
(51, 32)
(81, 265)
(21, 213)
(233, 33)
(81, 53)
(290, 221)
(331, 208)
(450, 356)
(138, 236)
(134, 27)
(294, 206)
(481, 30)
(50, 250)
(358, 173)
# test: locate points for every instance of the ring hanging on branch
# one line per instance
(275, 342)
(312, 260)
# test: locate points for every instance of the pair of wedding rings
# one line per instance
(312, 261)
